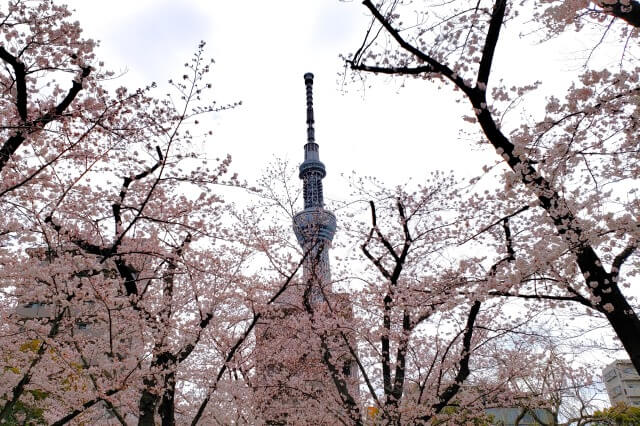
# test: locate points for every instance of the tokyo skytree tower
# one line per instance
(314, 226)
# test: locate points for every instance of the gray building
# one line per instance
(78, 322)
(510, 416)
(622, 382)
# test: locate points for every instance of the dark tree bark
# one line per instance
(10, 146)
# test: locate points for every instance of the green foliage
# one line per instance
(618, 415)
(38, 395)
(23, 414)
(14, 370)
(31, 345)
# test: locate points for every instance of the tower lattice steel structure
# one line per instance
(314, 226)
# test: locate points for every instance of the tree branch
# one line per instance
(239, 342)
(117, 206)
(434, 64)
(21, 83)
(622, 257)
(630, 13)
(486, 228)
(463, 365)
(14, 142)
(497, 17)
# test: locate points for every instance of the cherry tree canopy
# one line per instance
(569, 200)
(131, 292)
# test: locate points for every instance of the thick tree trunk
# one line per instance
(147, 405)
(626, 324)
(608, 298)
(167, 406)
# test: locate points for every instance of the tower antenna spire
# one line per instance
(311, 170)
(311, 132)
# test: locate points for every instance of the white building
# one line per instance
(622, 382)
(511, 416)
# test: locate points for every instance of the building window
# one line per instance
(617, 391)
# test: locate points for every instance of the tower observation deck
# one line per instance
(314, 226)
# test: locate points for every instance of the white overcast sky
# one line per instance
(261, 50)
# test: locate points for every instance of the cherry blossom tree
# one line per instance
(568, 199)
(122, 284)
(439, 347)
(132, 293)
(423, 343)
